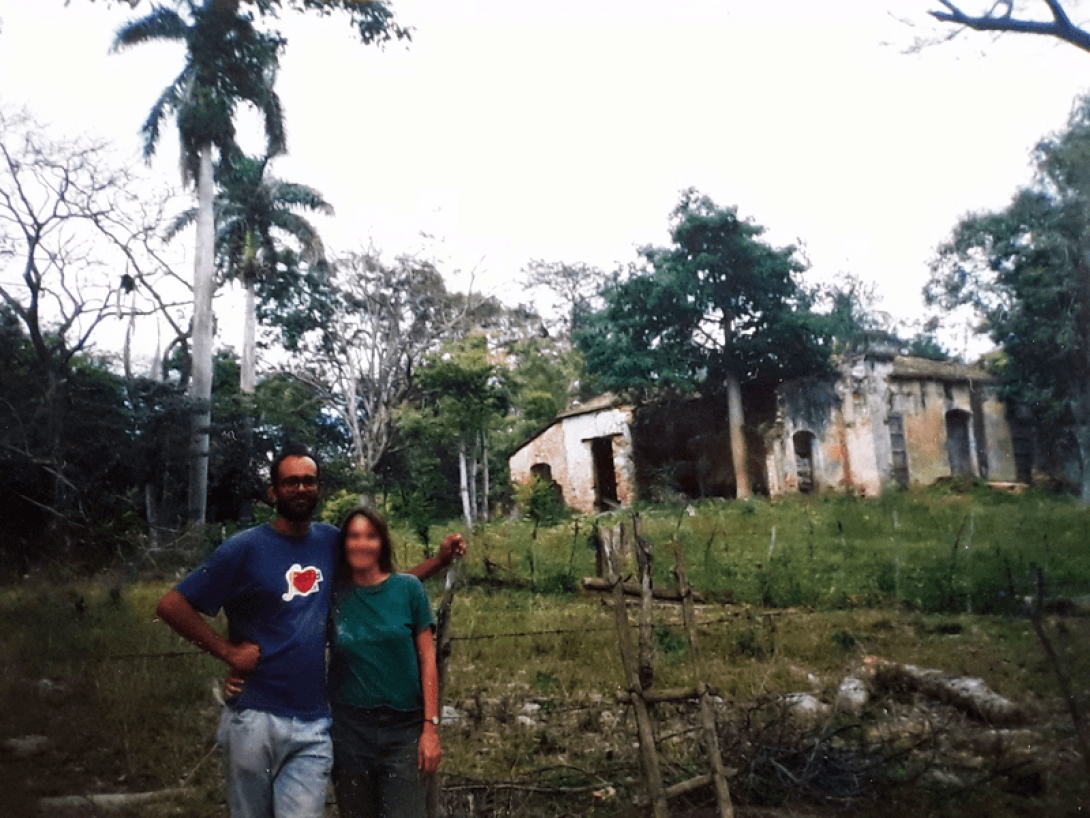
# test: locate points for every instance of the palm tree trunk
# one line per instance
(200, 385)
(473, 481)
(467, 508)
(247, 384)
(485, 511)
(737, 437)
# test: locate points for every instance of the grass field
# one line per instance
(797, 594)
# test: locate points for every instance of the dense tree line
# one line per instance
(413, 394)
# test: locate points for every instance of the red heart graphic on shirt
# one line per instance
(303, 581)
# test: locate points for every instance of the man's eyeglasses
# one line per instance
(296, 483)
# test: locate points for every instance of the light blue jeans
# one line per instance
(276, 767)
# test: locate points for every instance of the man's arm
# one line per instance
(176, 611)
(453, 546)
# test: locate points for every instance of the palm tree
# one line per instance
(227, 61)
(255, 213)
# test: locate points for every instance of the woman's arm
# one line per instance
(430, 752)
(453, 547)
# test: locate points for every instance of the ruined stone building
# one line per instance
(890, 421)
(884, 421)
(586, 453)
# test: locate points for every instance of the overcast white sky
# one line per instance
(564, 131)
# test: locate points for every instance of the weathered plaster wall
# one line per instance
(999, 443)
(853, 444)
(547, 448)
(566, 448)
(578, 433)
(925, 436)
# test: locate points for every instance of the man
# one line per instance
(274, 583)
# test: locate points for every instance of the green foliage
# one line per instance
(671, 642)
(540, 501)
(717, 302)
(463, 396)
(463, 388)
(845, 641)
(541, 385)
(263, 241)
(337, 507)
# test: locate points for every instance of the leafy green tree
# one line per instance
(848, 310)
(228, 61)
(544, 376)
(463, 395)
(297, 300)
(716, 308)
(1026, 271)
(114, 443)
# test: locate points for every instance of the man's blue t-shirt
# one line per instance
(275, 591)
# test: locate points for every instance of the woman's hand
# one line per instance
(453, 547)
(232, 687)
(430, 753)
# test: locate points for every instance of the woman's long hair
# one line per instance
(386, 551)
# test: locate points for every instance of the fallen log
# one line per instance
(967, 694)
(109, 801)
(675, 695)
(633, 589)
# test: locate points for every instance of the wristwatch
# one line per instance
(434, 720)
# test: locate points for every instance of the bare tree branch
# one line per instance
(1059, 27)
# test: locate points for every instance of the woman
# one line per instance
(383, 683)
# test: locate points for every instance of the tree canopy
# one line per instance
(1026, 270)
(717, 302)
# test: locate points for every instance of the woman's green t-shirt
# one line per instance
(373, 643)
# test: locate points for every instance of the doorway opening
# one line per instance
(804, 460)
(605, 475)
(958, 446)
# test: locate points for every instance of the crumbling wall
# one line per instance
(998, 440)
(887, 421)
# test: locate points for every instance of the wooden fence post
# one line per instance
(707, 712)
(648, 753)
(645, 560)
(442, 658)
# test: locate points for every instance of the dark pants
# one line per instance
(375, 768)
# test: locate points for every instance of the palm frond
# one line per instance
(180, 223)
(298, 195)
(161, 24)
(167, 102)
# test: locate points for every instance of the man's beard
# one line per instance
(298, 509)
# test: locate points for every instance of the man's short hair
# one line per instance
(292, 450)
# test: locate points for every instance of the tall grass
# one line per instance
(125, 703)
(936, 551)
